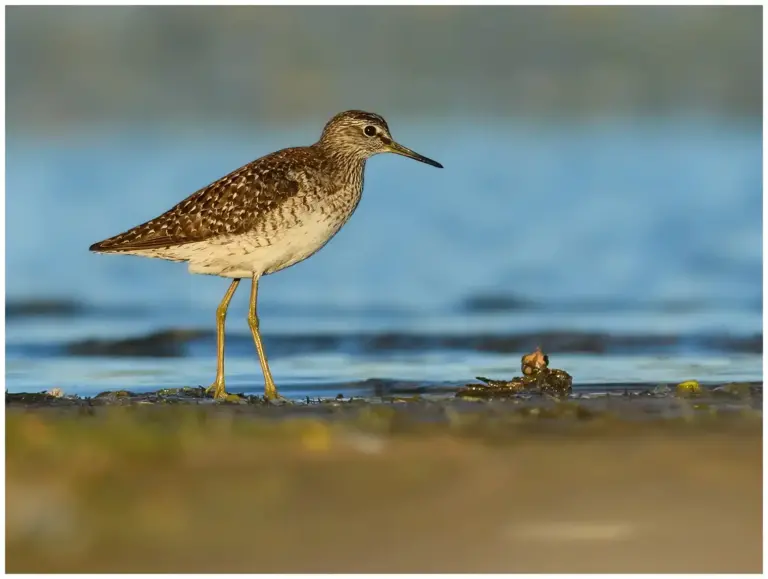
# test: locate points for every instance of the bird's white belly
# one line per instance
(253, 253)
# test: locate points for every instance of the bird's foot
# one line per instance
(221, 395)
(271, 394)
(218, 389)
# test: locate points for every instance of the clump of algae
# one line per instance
(537, 377)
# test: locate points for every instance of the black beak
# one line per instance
(406, 152)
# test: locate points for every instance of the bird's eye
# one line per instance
(370, 131)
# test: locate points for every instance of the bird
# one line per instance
(267, 215)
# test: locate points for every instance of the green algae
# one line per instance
(688, 389)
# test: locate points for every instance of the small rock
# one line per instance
(534, 362)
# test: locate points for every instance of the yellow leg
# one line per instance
(270, 390)
(221, 315)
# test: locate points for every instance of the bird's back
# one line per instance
(231, 205)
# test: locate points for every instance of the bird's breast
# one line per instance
(304, 224)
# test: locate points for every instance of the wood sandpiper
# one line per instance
(265, 216)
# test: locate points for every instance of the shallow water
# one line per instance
(630, 252)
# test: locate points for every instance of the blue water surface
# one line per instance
(617, 228)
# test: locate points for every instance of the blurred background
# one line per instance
(601, 196)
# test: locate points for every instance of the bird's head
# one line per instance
(363, 135)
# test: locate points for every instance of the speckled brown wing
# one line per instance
(230, 205)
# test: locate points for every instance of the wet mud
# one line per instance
(488, 477)
(398, 486)
(661, 402)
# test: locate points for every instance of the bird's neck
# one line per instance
(347, 164)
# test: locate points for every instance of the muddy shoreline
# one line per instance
(489, 476)
(634, 400)
(445, 486)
